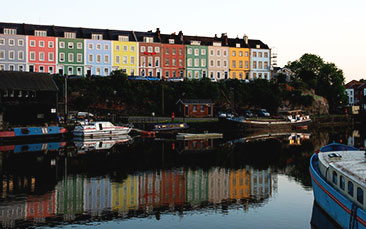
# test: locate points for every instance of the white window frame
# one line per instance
(20, 55)
(124, 60)
(41, 44)
(70, 57)
(50, 69)
(106, 59)
(70, 45)
(132, 48)
(51, 44)
(98, 46)
(106, 46)
(41, 56)
(32, 43)
(70, 72)
(90, 46)
(62, 45)
(2, 54)
(10, 31)
(11, 42)
(2, 41)
(50, 56)
(203, 52)
(123, 38)
(157, 49)
(79, 45)
(117, 47)
(62, 57)
(79, 71)
(32, 53)
(79, 57)
(99, 58)
(96, 36)
(117, 59)
(11, 54)
(132, 60)
(40, 33)
(90, 58)
(143, 48)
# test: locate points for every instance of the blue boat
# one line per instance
(32, 132)
(338, 174)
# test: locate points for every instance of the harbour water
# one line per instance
(257, 181)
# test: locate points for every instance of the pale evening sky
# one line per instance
(332, 29)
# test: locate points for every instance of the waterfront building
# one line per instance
(218, 58)
(240, 184)
(70, 55)
(198, 108)
(173, 55)
(12, 50)
(196, 187)
(356, 92)
(41, 207)
(218, 185)
(125, 195)
(98, 54)
(149, 53)
(41, 55)
(149, 190)
(239, 58)
(125, 52)
(196, 57)
(173, 189)
(260, 59)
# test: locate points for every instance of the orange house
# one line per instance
(239, 184)
(239, 59)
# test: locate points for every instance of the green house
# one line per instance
(70, 56)
(196, 60)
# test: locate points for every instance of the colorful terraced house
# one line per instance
(218, 58)
(12, 50)
(196, 57)
(239, 58)
(70, 55)
(259, 60)
(173, 55)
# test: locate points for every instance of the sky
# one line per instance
(333, 29)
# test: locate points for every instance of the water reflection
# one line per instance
(86, 180)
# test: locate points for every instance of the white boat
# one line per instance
(99, 129)
(338, 175)
(104, 143)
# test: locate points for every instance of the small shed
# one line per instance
(195, 108)
(27, 98)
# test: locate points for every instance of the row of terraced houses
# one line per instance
(84, 52)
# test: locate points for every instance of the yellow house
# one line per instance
(239, 59)
(239, 184)
(125, 195)
(125, 57)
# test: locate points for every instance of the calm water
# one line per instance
(236, 182)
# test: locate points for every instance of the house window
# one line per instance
(32, 56)
(50, 44)
(98, 46)
(234, 63)
(174, 62)
(174, 51)
(171, 41)
(225, 53)
(266, 54)
(10, 31)
(189, 51)
(166, 61)
(360, 195)
(79, 71)
(132, 60)
(157, 60)
(259, 54)
(41, 68)
(265, 64)
(211, 52)
(260, 64)
(167, 51)
(20, 55)
(212, 63)
(97, 37)
(237, 45)
(90, 58)
(150, 49)
(246, 53)
(90, 46)
(117, 47)
(254, 64)
(70, 57)
(62, 45)
(189, 74)
(11, 42)
(218, 75)
(225, 63)
(266, 76)
(41, 56)
(97, 71)
(350, 188)
(41, 44)
(32, 43)
(122, 38)
(203, 63)
(254, 54)
(180, 52)
(106, 59)
(148, 39)
(211, 75)
(167, 74)
(11, 67)
(196, 62)
(99, 58)
(132, 48)
(125, 48)
(40, 33)
(69, 35)
(79, 57)
(50, 69)
(196, 74)
(246, 64)
(180, 62)
(2, 68)
(143, 48)
(2, 41)
(117, 59)
(157, 49)
(241, 53)
(50, 56)
(240, 64)
(233, 53)
(62, 57)
(106, 47)
(20, 68)
(124, 60)
(79, 45)
(70, 70)
(149, 61)
(11, 55)
(202, 108)
(194, 108)
(190, 62)
(70, 45)
(143, 61)
(218, 53)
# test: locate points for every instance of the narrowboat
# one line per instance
(32, 132)
(338, 174)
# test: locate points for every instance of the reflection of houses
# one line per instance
(173, 187)
(12, 211)
(218, 185)
(196, 186)
(240, 184)
(261, 183)
(70, 197)
(199, 144)
(97, 195)
(125, 195)
(198, 108)
(149, 190)
(41, 207)
(13, 184)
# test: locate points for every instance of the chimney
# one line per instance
(158, 32)
(180, 34)
(215, 35)
(224, 38)
(245, 39)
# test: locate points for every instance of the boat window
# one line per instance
(360, 195)
(350, 188)
(334, 177)
(100, 126)
(341, 182)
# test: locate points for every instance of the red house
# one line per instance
(149, 53)
(173, 188)
(173, 54)
(196, 108)
(41, 207)
(41, 52)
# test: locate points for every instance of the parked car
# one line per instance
(262, 113)
(248, 114)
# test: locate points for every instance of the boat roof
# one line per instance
(347, 160)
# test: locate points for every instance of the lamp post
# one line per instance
(65, 98)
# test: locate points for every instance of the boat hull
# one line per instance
(32, 133)
(102, 133)
(333, 203)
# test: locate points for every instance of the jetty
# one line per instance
(188, 136)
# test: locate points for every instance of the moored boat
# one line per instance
(98, 129)
(338, 175)
(32, 132)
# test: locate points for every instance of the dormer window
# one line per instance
(123, 38)
(148, 39)
(171, 41)
(10, 31)
(237, 45)
(217, 44)
(258, 46)
(69, 35)
(40, 33)
(97, 36)
(195, 42)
